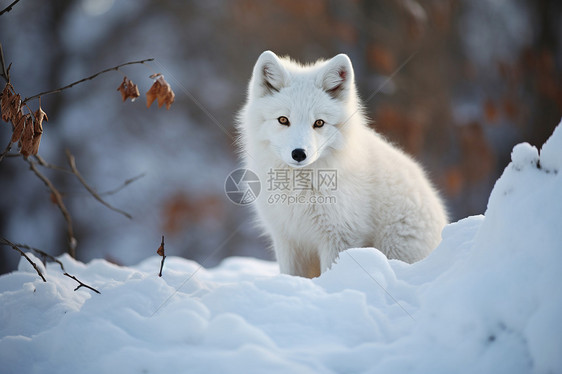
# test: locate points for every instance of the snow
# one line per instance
(523, 155)
(486, 300)
(551, 152)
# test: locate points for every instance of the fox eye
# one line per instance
(318, 123)
(283, 120)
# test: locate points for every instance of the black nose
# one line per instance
(298, 154)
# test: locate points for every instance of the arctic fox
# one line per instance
(308, 118)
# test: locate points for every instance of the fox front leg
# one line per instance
(296, 261)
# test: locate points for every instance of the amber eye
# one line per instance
(318, 123)
(283, 120)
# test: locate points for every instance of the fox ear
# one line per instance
(269, 75)
(337, 77)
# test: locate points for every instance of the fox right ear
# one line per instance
(269, 75)
(337, 78)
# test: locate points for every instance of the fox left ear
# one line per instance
(337, 77)
(269, 75)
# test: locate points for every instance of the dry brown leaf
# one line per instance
(152, 94)
(35, 143)
(40, 116)
(160, 250)
(27, 137)
(128, 89)
(19, 125)
(5, 102)
(160, 90)
(170, 96)
(161, 94)
(15, 105)
(11, 104)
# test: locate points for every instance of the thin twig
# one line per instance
(201, 264)
(125, 184)
(115, 68)
(72, 163)
(16, 248)
(5, 72)
(9, 7)
(161, 252)
(58, 199)
(43, 254)
(5, 153)
(81, 284)
(47, 165)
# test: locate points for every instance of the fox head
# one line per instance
(299, 111)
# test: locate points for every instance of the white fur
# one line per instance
(383, 198)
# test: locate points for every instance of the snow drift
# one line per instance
(486, 300)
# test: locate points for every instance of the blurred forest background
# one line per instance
(480, 76)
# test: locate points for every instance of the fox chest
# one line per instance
(310, 217)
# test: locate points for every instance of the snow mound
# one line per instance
(486, 300)
(523, 155)
(551, 151)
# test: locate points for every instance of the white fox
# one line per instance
(309, 118)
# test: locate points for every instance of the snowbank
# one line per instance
(486, 300)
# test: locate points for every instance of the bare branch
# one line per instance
(9, 7)
(115, 68)
(13, 155)
(57, 196)
(58, 199)
(5, 72)
(72, 163)
(47, 165)
(81, 284)
(5, 153)
(43, 254)
(161, 252)
(125, 184)
(16, 248)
